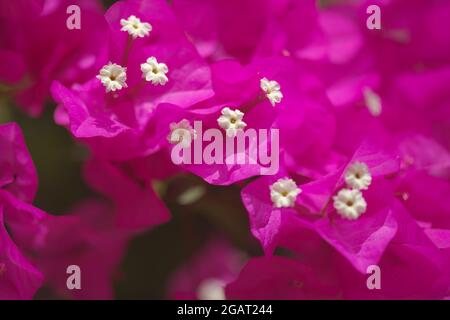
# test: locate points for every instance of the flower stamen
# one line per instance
(135, 27)
(357, 176)
(113, 77)
(284, 192)
(350, 203)
(272, 90)
(155, 72)
(231, 121)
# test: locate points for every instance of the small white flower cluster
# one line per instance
(114, 76)
(272, 90)
(284, 192)
(154, 71)
(231, 121)
(135, 27)
(349, 202)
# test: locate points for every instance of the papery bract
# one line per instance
(40, 49)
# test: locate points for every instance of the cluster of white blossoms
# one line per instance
(284, 192)
(182, 132)
(272, 90)
(358, 176)
(231, 121)
(114, 76)
(154, 71)
(349, 202)
(135, 27)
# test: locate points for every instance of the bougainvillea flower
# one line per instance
(112, 133)
(410, 269)
(247, 97)
(205, 276)
(113, 123)
(339, 134)
(313, 210)
(414, 253)
(306, 275)
(218, 171)
(311, 276)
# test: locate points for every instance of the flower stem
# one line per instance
(127, 51)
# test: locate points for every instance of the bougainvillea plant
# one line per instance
(226, 149)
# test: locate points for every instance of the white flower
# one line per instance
(284, 192)
(154, 72)
(113, 77)
(350, 204)
(357, 176)
(181, 132)
(372, 101)
(272, 90)
(135, 27)
(211, 289)
(231, 121)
